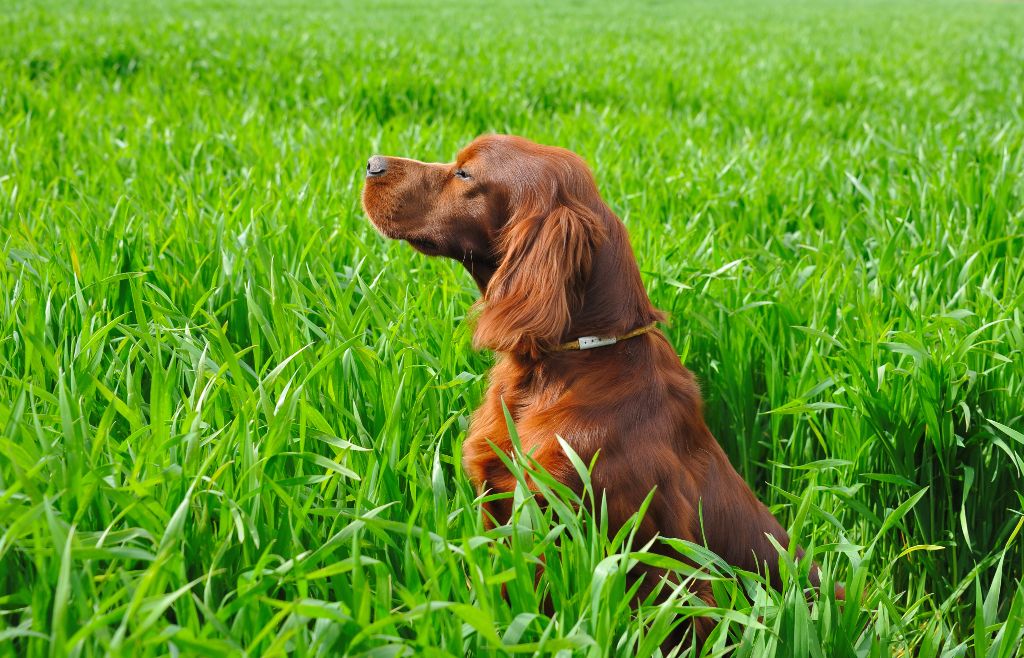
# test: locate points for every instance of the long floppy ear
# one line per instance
(546, 261)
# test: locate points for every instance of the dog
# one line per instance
(578, 350)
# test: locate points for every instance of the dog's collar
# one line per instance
(590, 342)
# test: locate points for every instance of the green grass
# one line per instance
(231, 414)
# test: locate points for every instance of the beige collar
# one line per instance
(590, 342)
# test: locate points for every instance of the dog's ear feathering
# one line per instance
(546, 261)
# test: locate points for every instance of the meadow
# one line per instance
(231, 413)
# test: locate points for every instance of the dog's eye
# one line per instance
(463, 174)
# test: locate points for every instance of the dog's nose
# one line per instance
(376, 166)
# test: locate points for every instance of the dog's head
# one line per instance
(525, 219)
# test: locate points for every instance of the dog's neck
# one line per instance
(614, 300)
(481, 269)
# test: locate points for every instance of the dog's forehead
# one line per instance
(495, 148)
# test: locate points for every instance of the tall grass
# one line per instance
(231, 414)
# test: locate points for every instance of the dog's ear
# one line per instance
(546, 258)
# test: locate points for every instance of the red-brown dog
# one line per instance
(554, 263)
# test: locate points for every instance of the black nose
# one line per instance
(376, 166)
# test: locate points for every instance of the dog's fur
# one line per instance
(553, 263)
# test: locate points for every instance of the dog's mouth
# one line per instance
(388, 229)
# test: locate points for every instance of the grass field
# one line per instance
(231, 414)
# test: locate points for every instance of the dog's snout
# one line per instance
(377, 165)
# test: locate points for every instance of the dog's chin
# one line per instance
(390, 229)
(385, 227)
(427, 247)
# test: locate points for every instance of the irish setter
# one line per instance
(553, 264)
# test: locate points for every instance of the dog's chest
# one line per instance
(538, 414)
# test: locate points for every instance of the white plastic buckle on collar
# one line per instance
(590, 342)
